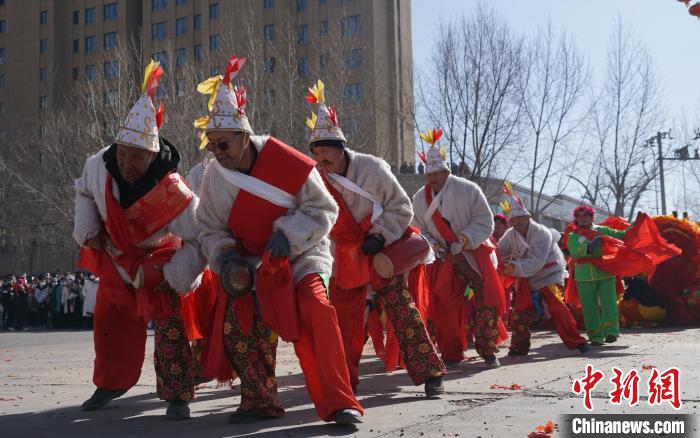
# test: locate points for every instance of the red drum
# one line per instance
(151, 304)
(401, 256)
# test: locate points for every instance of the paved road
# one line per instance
(45, 376)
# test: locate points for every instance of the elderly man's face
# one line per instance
(436, 180)
(520, 223)
(133, 162)
(228, 146)
(329, 158)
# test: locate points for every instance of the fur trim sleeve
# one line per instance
(312, 220)
(87, 223)
(212, 216)
(184, 270)
(398, 212)
(481, 225)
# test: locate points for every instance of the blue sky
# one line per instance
(671, 35)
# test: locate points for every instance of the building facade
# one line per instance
(57, 54)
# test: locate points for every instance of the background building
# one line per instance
(70, 69)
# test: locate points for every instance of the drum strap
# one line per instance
(257, 187)
(377, 209)
(436, 201)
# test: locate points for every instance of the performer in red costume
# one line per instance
(142, 252)
(454, 215)
(375, 212)
(262, 198)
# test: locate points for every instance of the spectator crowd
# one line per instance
(49, 301)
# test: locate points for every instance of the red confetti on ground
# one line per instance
(648, 367)
(547, 428)
(538, 435)
(8, 360)
(6, 399)
(513, 387)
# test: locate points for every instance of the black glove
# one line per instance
(279, 245)
(373, 244)
(596, 243)
(229, 255)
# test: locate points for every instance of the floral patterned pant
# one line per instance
(485, 324)
(418, 351)
(173, 360)
(253, 356)
(520, 322)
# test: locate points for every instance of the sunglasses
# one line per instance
(222, 146)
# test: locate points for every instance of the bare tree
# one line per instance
(553, 85)
(626, 110)
(473, 90)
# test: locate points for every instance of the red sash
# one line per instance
(128, 227)
(348, 236)
(494, 294)
(251, 221)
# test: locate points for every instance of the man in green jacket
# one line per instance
(594, 286)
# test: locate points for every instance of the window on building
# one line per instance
(181, 87)
(323, 28)
(44, 17)
(2, 55)
(197, 21)
(303, 66)
(2, 26)
(2, 108)
(323, 61)
(213, 71)
(3, 137)
(351, 25)
(268, 4)
(351, 127)
(90, 72)
(90, 44)
(213, 42)
(2, 81)
(76, 46)
(269, 65)
(89, 15)
(43, 45)
(301, 5)
(90, 100)
(181, 57)
(76, 17)
(353, 59)
(76, 73)
(111, 97)
(352, 93)
(322, 2)
(43, 74)
(158, 30)
(111, 40)
(110, 12)
(111, 69)
(213, 11)
(180, 26)
(161, 57)
(269, 97)
(197, 52)
(158, 5)
(269, 31)
(43, 102)
(303, 34)
(181, 2)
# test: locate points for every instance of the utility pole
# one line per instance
(661, 172)
(681, 154)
